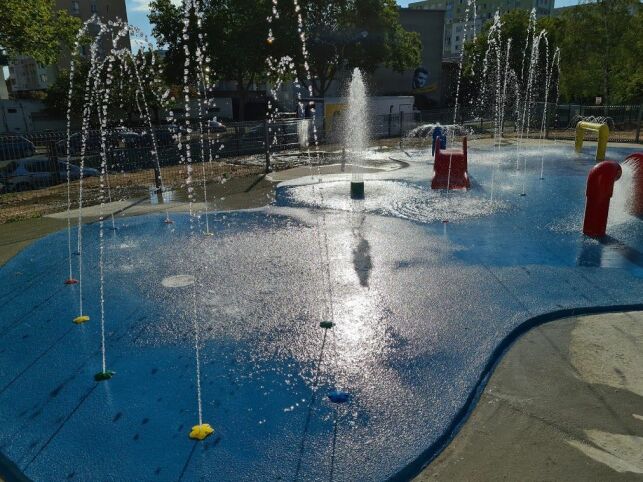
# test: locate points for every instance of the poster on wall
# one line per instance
(422, 88)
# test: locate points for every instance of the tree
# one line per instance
(126, 99)
(235, 30)
(477, 93)
(345, 34)
(629, 77)
(600, 42)
(340, 34)
(599, 54)
(35, 28)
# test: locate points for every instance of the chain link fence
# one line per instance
(34, 167)
(624, 121)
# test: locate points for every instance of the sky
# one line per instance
(137, 11)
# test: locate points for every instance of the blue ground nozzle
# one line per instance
(338, 396)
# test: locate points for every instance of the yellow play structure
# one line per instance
(603, 135)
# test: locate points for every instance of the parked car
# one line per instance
(164, 137)
(35, 172)
(175, 129)
(15, 147)
(74, 171)
(214, 126)
(92, 144)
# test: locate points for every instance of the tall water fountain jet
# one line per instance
(470, 8)
(193, 59)
(356, 131)
(95, 92)
(555, 64)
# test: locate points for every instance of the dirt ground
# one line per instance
(130, 185)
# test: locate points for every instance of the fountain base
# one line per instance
(102, 376)
(71, 281)
(326, 325)
(357, 190)
(79, 320)
(200, 432)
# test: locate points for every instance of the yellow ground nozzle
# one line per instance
(200, 432)
(79, 320)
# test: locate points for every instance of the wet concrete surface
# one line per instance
(419, 306)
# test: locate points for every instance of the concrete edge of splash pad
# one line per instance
(414, 468)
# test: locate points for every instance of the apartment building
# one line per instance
(456, 29)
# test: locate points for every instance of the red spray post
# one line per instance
(450, 168)
(635, 161)
(600, 187)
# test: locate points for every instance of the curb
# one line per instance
(415, 467)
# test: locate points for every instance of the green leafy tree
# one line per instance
(601, 43)
(340, 34)
(599, 54)
(345, 34)
(629, 77)
(35, 28)
(592, 44)
(126, 99)
(236, 33)
(514, 26)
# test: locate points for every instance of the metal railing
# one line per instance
(36, 163)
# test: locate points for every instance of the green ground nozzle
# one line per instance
(326, 325)
(102, 376)
(357, 190)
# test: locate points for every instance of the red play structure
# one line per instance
(450, 168)
(636, 201)
(600, 187)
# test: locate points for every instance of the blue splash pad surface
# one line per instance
(419, 308)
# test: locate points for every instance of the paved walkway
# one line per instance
(566, 403)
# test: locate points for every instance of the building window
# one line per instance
(93, 8)
(75, 8)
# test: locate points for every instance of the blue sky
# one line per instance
(137, 11)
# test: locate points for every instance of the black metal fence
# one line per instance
(137, 159)
(40, 159)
